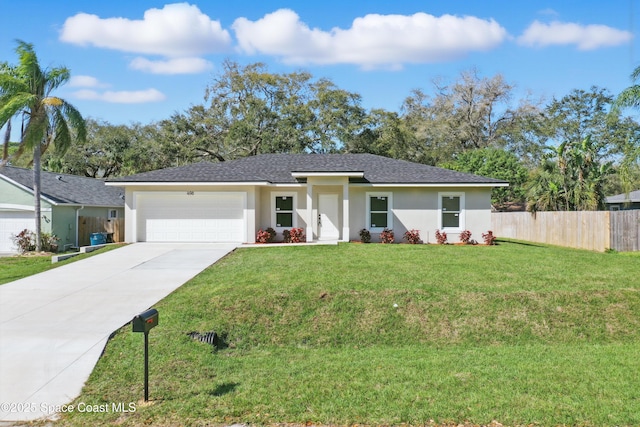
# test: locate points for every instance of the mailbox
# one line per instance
(143, 322)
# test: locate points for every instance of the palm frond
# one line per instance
(35, 131)
(630, 97)
(12, 105)
(75, 120)
(635, 75)
(61, 133)
(55, 78)
(28, 65)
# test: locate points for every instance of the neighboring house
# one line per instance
(64, 198)
(329, 196)
(623, 201)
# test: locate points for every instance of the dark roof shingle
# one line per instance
(277, 169)
(632, 197)
(67, 189)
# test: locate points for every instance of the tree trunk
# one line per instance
(5, 150)
(36, 195)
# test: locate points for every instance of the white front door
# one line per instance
(328, 218)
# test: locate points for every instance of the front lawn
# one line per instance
(387, 334)
(20, 266)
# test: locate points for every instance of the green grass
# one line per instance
(522, 334)
(17, 267)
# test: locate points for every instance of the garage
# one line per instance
(191, 216)
(12, 223)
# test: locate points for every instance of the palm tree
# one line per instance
(571, 178)
(629, 98)
(26, 92)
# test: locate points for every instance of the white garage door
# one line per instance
(198, 217)
(12, 223)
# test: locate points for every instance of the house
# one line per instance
(623, 201)
(329, 196)
(64, 198)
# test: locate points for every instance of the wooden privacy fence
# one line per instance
(592, 230)
(88, 225)
(625, 230)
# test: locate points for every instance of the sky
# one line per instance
(142, 61)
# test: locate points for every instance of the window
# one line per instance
(379, 207)
(451, 207)
(283, 210)
(614, 207)
(113, 214)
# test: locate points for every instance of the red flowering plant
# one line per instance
(441, 237)
(489, 238)
(387, 236)
(266, 236)
(412, 236)
(295, 235)
(465, 237)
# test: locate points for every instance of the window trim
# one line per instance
(112, 214)
(461, 214)
(389, 196)
(294, 216)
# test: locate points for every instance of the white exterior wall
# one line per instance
(417, 208)
(264, 210)
(413, 207)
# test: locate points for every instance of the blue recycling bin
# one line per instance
(98, 239)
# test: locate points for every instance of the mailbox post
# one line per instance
(144, 322)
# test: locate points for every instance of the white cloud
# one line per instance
(121, 97)
(85, 81)
(584, 37)
(548, 12)
(176, 30)
(172, 66)
(372, 41)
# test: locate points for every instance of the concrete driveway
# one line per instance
(54, 325)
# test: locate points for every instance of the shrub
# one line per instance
(387, 236)
(266, 236)
(49, 242)
(441, 237)
(465, 237)
(412, 236)
(489, 238)
(295, 235)
(26, 241)
(365, 236)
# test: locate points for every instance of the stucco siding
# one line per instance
(10, 194)
(412, 208)
(418, 208)
(63, 222)
(13, 198)
(265, 209)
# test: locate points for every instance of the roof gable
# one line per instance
(279, 169)
(66, 189)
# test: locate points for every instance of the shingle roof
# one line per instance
(277, 169)
(632, 197)
(67, 189)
